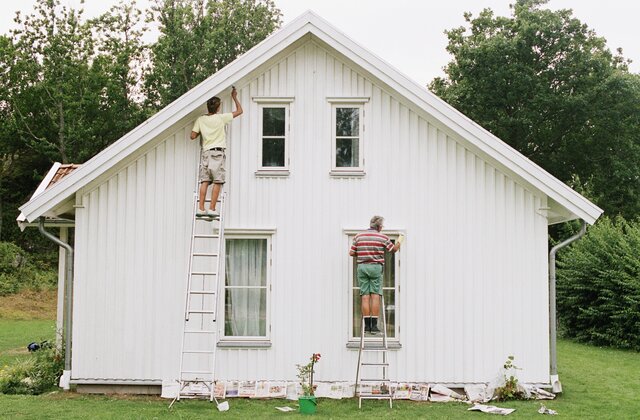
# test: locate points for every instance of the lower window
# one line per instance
(246, 288)
(389, 291)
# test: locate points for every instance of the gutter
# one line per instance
(555, 380)
(68, 283)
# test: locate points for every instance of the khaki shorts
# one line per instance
(212, 166)
(370, 279)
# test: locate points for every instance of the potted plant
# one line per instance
(307, 400)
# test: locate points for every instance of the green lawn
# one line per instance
(598, 383)
(16, 334)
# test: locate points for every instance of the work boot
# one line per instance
(373, 326)
(367, 325)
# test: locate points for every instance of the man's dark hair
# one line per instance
(213, 104)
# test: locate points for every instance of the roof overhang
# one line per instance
(570, 204)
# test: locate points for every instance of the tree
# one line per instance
(198, 38)
(118, 72)
(547, 85)
(50, 81)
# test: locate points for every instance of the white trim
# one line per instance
(248, 341)
(310, 23)
(273, 99)
(41, 187)
(287, 147)
(361, 138)
(348, 100)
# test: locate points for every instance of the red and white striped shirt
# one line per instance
(369, 247)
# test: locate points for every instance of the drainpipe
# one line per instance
(555, 381)
(68, 285)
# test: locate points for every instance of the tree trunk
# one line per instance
(61, 138)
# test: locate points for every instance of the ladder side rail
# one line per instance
(188, 297)
(359, 353)
(191, 245)
(217, 294)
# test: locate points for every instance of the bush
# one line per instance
(598, 290)
(18, 272)
(33, 375)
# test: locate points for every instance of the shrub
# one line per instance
(18, 272)
(598, 287)
(33, 375)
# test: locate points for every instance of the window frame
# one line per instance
(274, 102)
(334, 138)
(358, 103)
(246, 341)
(354, 341)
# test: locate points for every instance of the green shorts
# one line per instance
(370, 279)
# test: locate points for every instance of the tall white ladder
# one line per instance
(376, 359)
(199, 338)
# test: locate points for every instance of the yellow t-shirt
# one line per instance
(212, 129)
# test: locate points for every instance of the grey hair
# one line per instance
(376, 222)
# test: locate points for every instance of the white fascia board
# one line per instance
(171, 114)
(458, 122)
(41, 188)
(242, 66)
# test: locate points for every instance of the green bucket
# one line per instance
(308, 404)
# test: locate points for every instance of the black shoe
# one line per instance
(374, 329)
(367, 325)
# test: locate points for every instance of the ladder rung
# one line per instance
(205, 235)
(374, 364)
(197, 351)
(201, 311)
(202, 292)
(205, 273)
(375, 349)
(200, 332)
(205, 254)
(386, 396)
(208, 200)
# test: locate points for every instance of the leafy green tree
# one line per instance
(51, 81)
(198, 38)
(542, 81)
(118, 71)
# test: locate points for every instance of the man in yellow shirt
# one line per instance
(214, 145)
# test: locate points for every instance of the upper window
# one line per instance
(274, 147)
(246, 286)
(347, 137)
(389, 291)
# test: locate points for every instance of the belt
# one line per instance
(217, 149)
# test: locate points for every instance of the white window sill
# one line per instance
(373, 345)
(275, 173)
(347, 174)
(248, 344)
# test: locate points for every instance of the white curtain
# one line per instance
(245, 286)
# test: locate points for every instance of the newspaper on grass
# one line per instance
(285, 409)
(545, 410)
(419, 392)
(440, 393)
(491, 409)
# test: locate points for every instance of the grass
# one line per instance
(598, 383)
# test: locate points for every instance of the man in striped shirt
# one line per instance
(369, 247)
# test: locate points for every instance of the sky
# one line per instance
(409, 34)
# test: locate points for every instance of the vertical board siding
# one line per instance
(132, 232)
(472, 275)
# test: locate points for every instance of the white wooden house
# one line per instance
(331, 135)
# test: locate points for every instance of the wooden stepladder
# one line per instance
(200, 333)
(374, 358)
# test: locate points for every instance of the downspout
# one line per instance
(555, 381)
(68, 286)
